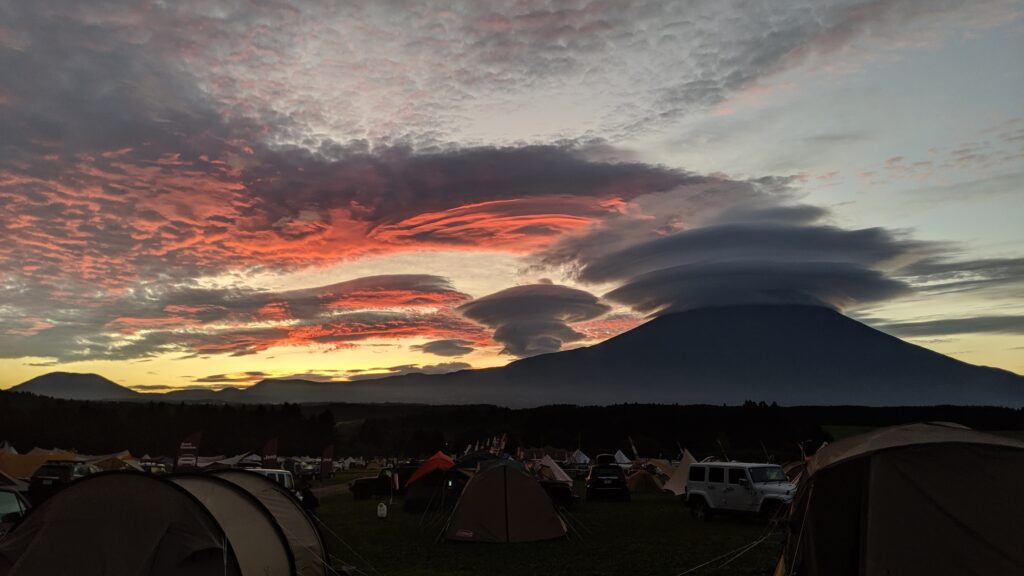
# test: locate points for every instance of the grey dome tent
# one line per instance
(258, 541)
(303, 537)
(503, 503)
(934, 498)
(119, 523)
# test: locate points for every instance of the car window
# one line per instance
(768, 474)
(9, 504)
(735, 474)
(697, 473)
(53, 470)
(716, 475)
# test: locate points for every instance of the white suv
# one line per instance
(737, 487)
(282, 477)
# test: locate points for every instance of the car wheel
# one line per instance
(700, 510)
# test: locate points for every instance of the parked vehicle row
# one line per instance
(54, 475)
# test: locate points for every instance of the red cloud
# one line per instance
(517, 225)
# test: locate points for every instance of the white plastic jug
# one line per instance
(382, 510)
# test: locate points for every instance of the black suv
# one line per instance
(54, 475)
(607, 481)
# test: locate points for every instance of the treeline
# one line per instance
(157, 428)
(990, 418)
(748, 431)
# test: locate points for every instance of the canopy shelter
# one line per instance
(204, 461)
(548, 469)
(119, 524)
(676, 484)
(116, 461)
(299, 529)
(12, 482)
(933, 498)
(642, 481)
(503, 503)
(22, 466)
(229, 462)
(53, 453)
(578, 457)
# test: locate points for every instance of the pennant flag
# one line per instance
(188, 453)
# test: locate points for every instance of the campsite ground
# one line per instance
(654, 534)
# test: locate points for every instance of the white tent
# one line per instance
(578, 457)
(551, 469)
(621, 459)
(353, 462)
(7, 448)
(299, 530)
(258, 541)
(677, 483)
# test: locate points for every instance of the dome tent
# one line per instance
(503, 503)
(439, 461)
(260, 545)
(931, 498)
(119, 523)
(299, 529)
(436, 484)
(642, 481)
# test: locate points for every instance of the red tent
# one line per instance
(439, 461)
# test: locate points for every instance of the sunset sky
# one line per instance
(204, 193)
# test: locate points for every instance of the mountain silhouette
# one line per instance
(793, 355)
(75, 386)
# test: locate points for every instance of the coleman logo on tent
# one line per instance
(463, 533)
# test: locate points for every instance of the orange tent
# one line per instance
(439, 461)
(22, 466)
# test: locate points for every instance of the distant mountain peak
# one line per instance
(790, 354)
(76, 386)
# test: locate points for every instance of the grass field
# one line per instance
(653, 534)
(346, 476)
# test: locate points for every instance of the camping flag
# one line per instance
(270, 454)
(327, 462)
(188, 453)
